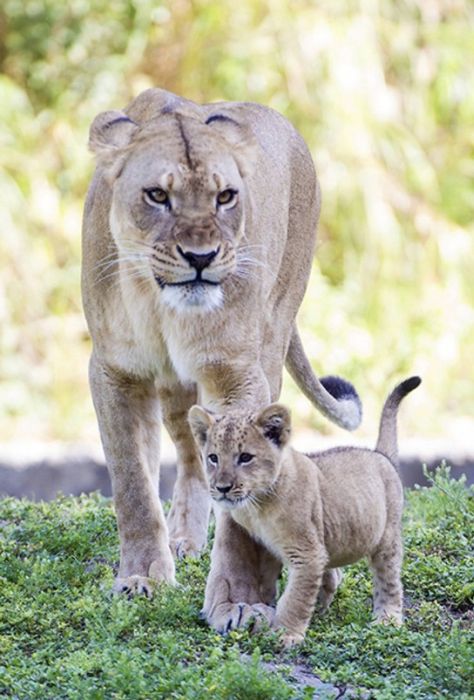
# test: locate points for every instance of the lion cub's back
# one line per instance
(361, 496)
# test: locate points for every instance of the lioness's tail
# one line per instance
(335, 397)
(387, 439)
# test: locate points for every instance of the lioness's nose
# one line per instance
(198, 260)
(224, 489)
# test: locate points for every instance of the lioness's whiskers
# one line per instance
(245, 264)
(137, 272)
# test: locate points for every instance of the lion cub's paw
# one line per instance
(230, 616)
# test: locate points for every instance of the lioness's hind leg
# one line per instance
(329, 585)
(189, 515)
(388, 594)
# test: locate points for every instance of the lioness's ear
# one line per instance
(110, 131)
(200, 421)
(243, 142)
(275, 423)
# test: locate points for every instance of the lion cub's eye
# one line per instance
(245, 458)
(226, 197)
(212, 458)
(158, 196)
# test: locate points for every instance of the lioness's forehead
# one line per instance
(193, 145)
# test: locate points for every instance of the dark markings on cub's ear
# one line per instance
(275, 423)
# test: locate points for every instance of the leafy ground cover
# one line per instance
(62, 635)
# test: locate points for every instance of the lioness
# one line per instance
(313, 513)
(199, 230)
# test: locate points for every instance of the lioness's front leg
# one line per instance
(128, 415)
(189, 515)
(242, 581)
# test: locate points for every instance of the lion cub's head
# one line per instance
(178, 200)
(242, 453)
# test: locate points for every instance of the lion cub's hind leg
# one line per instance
(189, 515)
(386, 565)
(329, 585)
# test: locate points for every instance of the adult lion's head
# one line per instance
(178, 200)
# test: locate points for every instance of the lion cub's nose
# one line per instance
(198, 260)
(224, 489)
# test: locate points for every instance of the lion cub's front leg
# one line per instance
(296, 605)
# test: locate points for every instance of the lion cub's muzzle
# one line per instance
(228, 495)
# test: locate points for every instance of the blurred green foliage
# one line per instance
(383, 92)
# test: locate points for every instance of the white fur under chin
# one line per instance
(193, 299)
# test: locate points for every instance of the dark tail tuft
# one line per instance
(339, 388)
(406, 386)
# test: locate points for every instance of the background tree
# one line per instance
(383, 92)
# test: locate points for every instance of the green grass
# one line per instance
(62, 635)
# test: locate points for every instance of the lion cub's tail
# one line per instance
(387, 439)
(335, 397)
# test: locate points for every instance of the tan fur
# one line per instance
(314, 514)
(160, 342)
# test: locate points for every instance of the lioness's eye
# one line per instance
(245, 458)
(158, 196)
(225, 197)
(212, 458)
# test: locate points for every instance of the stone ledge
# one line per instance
(40, 472)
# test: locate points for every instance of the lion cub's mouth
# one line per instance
(235, 502)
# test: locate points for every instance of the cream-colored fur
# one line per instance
(199, 230)
(313, 513)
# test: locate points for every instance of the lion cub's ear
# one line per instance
(200, 422)
(275, 423)
(110, 132)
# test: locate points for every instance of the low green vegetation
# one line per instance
(62, 635)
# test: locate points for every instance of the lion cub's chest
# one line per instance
(263, 529)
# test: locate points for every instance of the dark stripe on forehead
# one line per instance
(187, 147)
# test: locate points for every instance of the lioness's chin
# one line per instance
(195, 298)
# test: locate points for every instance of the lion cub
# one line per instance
(314, 513)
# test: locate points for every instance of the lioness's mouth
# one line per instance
(196, 282)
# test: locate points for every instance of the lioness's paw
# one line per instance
(291, 639)
(389, 617)
(160, 571)
(182, 547)
(230, 616)
(135, 585)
